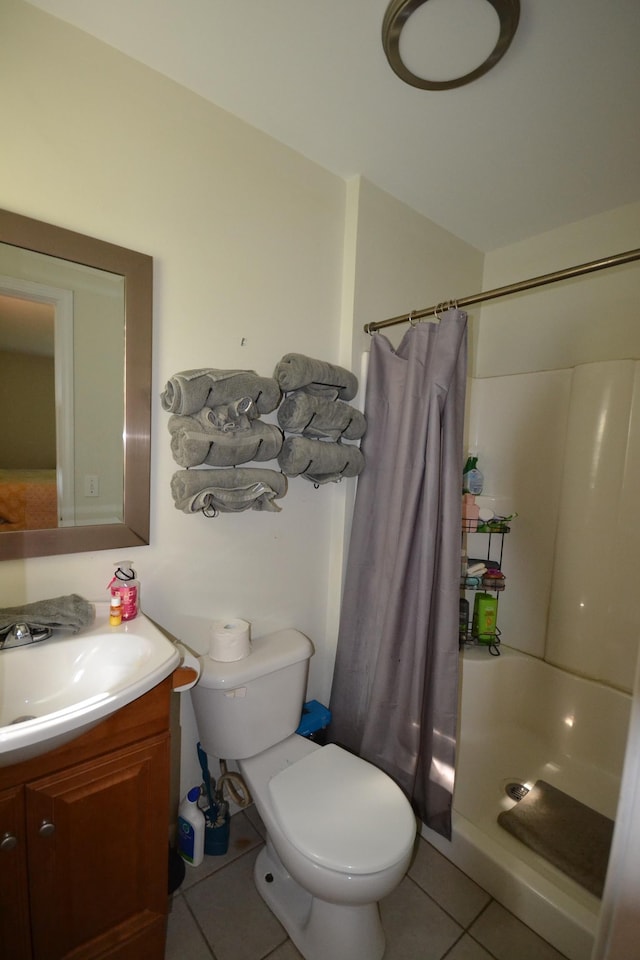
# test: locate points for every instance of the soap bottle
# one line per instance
(191, 829)
(472, 478)
(125, 584)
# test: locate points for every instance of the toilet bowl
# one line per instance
(340, 838)
(340, 832)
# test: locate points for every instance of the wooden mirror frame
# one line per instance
(137, 270)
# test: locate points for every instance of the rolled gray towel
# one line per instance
(190, 390)
(299, 412)
(227, 490)
(72, 612)
(320, 461)
(322, 379)
(193, 442)
(229, 416)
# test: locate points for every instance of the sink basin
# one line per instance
(54, 690)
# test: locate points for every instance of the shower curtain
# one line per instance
(395, 690)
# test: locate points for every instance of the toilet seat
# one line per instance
(342, 813)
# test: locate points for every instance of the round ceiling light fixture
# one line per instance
(395, 18)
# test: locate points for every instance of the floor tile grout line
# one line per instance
(467, 932)
(195, 919)
(200, 930)
(447, 952)
(218, 870)
(491, 901)
(279, 946)
(448, 912)
(484, 910)
(442, 857)
(482, 945)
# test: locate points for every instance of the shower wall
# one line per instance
(562, 448)
(518, 427)
(594, 617)
(553, 414)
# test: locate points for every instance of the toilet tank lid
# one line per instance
(275, 651)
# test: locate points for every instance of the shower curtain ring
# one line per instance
(412, 319)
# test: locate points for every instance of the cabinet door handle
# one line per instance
(8, 841)
(47, 828)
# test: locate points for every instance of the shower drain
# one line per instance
(517, 791)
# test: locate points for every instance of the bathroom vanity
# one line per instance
(83, 842)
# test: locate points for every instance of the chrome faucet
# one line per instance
(22, 633)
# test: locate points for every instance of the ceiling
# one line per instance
(549, 136)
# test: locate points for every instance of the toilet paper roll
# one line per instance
(230, 640)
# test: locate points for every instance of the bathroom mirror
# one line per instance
(75, 391)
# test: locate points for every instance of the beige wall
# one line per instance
(581, 320)
(404, 262)
(248, 240)
(27, 392)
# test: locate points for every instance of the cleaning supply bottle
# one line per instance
(472, 478)
(191, 829)
(125, 584)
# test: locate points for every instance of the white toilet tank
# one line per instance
(248, 705)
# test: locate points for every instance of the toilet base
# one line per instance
(317, 928)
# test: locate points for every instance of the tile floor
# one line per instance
(437, 912)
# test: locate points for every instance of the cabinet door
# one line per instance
(15, 941)
(98, 854)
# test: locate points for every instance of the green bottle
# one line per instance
(485, 615)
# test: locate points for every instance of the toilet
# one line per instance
(340, 832)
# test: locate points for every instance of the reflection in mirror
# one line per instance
(75, 340)
(48, 337)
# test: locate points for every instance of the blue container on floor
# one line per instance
(216, 835)
(315, 717)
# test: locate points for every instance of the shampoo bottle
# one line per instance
(485, 614)
(191, 829)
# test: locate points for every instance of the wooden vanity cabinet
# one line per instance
(83, 842)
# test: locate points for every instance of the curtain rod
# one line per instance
(577, 271)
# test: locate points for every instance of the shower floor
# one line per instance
(542, 896)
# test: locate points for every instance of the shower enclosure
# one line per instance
(562, 448)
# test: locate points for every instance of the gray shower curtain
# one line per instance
(395, 691)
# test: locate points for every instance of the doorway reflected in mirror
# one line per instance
(75, 348)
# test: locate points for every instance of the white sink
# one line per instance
(56, 689)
